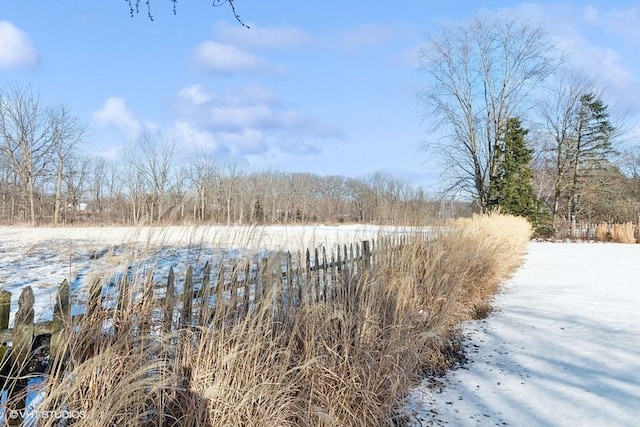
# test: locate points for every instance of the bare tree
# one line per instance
(558, 111)
(98, 184)
(204, 176)
(156, 165)
(148, 167)
(77, 172)
(229, 184)
(630, 162)
(579, 139)
(67, 134)
(9, 192)
(27, 135)
(480, 73)
(133, 181)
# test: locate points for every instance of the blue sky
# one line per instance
(329, 87)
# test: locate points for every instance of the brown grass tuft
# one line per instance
(623, 233)
(618, 233)
(602, 233)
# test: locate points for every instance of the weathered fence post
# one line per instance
(187, 297)
(262, 282)
(324, 276)
(144, 323)
(345, 269)
(275, 292)
(20, 354)
(307, 284)
(220, 305)
(5, 310)
(233, 291)
(333, 268)
(366, 254)
(168, 301)
(61, 317)
(290, 289)
(316, 266)
(246, 288)
(341, 274)
(23, 328)
(206, 276)
(205, 294)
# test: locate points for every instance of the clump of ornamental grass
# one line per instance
(347, 361)
(623, 233)
(603, 234)
(236, 372)
(108, 366)
(488, 249)
(618, 233)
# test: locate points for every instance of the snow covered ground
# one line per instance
(562, 348)
(44, 257)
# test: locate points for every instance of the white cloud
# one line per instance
(116, 114)
(623, 23)
(298, 146)
(186, 133)
(16, 50)
(226, 58)
(247, 107)
(606, 63)
(194, 95)
(591, 51)
(245, 142)
(591, 13)
(249, 120)
(266, 38)
(255, 94)
(112, 152)
(232, 47)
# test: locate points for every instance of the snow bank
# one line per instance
(563, 348)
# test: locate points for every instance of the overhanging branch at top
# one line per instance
(134, 8)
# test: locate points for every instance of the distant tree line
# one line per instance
(45, 179)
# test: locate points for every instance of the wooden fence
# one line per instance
(235, 287)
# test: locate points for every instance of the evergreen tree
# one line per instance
(511, 190)
(591, 149)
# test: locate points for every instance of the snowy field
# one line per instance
(562, 348)
(44, 257)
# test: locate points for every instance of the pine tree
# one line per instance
(511, 190)
(592, 147)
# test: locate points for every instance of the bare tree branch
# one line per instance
(135, 6)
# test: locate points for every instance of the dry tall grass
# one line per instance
(350, 362)
(618, 233)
